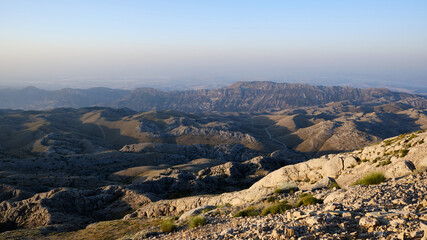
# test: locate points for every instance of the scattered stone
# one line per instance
(368, 222)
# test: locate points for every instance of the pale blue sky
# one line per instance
(111, 41)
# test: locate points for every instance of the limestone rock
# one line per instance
(326, 182)
(402, 168)
(333, 167)
(194, 212)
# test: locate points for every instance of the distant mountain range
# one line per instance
(239, 97)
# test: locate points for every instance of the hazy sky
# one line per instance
(88, 42)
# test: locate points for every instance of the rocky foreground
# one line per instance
(395, 209)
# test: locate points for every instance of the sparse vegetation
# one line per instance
(196, 221)
(370, 179)
(248, 212)
(167, 225)
(224, 205)
(387, 142)
(307, 199)
(403, 152)
(384, 163)
(411, 137)
(279, 191)
(271, 199)
(276, 208)
(334, 185)
(286, 187)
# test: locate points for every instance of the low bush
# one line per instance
(197, 221)
(334, 185)
(370, 179)
(271, 199)
(276, 208)
(224, 205)
(403, 152)
(248, 212)
(307, 199)
(167, 226)
(384, 163)
(286, 187)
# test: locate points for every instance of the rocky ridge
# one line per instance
(261, 96)
(395, 157)
(257, 96)
(396, 209)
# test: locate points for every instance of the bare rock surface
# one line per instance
(305, 175)
(71, 207)
(361, 212)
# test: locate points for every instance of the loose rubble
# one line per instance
(395, 209)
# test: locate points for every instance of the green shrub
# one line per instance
(286, 187)
(167, 225)
(224, 205)
(383, 163)
(303, 195)
(371, 178)
(276, 208)
(197, 221)
(307, 199)
(271, 199)
(411, 137)
(334, 185)
(285, 190)
(403, 152)
(248, 212)
(278, 190)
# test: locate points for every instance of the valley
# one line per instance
(67, 170)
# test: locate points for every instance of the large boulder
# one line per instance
(400, 169)
(326, 182)
(333, 167)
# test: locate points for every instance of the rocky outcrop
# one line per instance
(396, 209)
(396, 157)
(70, 207)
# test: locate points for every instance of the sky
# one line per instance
(130, 43)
